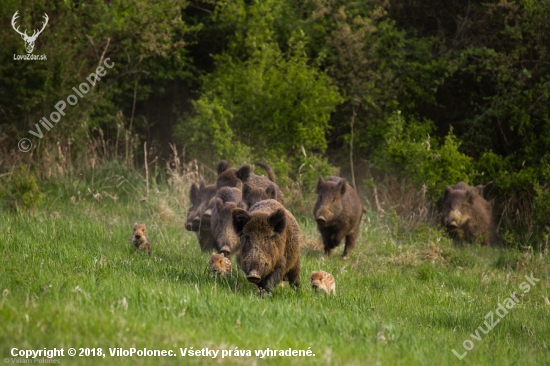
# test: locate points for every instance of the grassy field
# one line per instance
(69, 278)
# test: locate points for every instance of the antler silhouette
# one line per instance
(29, 41)
(35, 35)
(24, 35)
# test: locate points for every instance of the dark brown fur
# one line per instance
(270, 244)
(268, 170)
(231, 177)
(198, 217)
(338, 213)
(227, 176)
(253, 194)
(465, 187)
(139, 238)
(227, 199)
(468, 216)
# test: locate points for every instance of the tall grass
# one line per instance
(70, 278)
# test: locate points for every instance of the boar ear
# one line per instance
(194, 192)
(243, 173)
(222, 166)
(447, 192)
(242, 205)
(240, 219)
(479, 189)
(271, 191)
(320, 185)
(342, 186)
(277, 220)
(470, 195)
(203, 184)
(219, 204)
(246, 190)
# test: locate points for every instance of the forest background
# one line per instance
(402, 97)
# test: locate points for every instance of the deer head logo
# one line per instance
(29, 41)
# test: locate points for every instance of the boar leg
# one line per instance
(337, 237)
(293, 276)
(350, 243)
(272, 279)
(331, 238)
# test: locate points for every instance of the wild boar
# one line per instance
(338, 213)
(231, 177)
(321, 280)
(467, 216)
(198, 217)
(226, 200)
(253, 194)
(270, 245)
(227, 176)
(139, 238)
(219, 263)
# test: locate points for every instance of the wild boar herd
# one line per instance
(244, 214)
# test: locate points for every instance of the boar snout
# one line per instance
(321, 219)
(253, 277)
(452, 223)
(225, 250)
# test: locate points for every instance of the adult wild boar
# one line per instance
(338, 213)
(270, 244)
(253, 194)
(232, 177)
(227, 199)
(198, 217)
(467, 216)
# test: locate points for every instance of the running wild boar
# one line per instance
(338, 213)
(227, 199)
(198, 217)
(270, 245)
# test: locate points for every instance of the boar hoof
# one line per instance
(345, 257)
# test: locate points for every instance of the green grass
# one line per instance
(69, 278)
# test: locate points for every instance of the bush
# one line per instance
(22, 191)
(411, 151)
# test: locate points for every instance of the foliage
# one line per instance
(22, 192)
(292, 81)
(143, 39)
(268, 103)
(428, 161)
